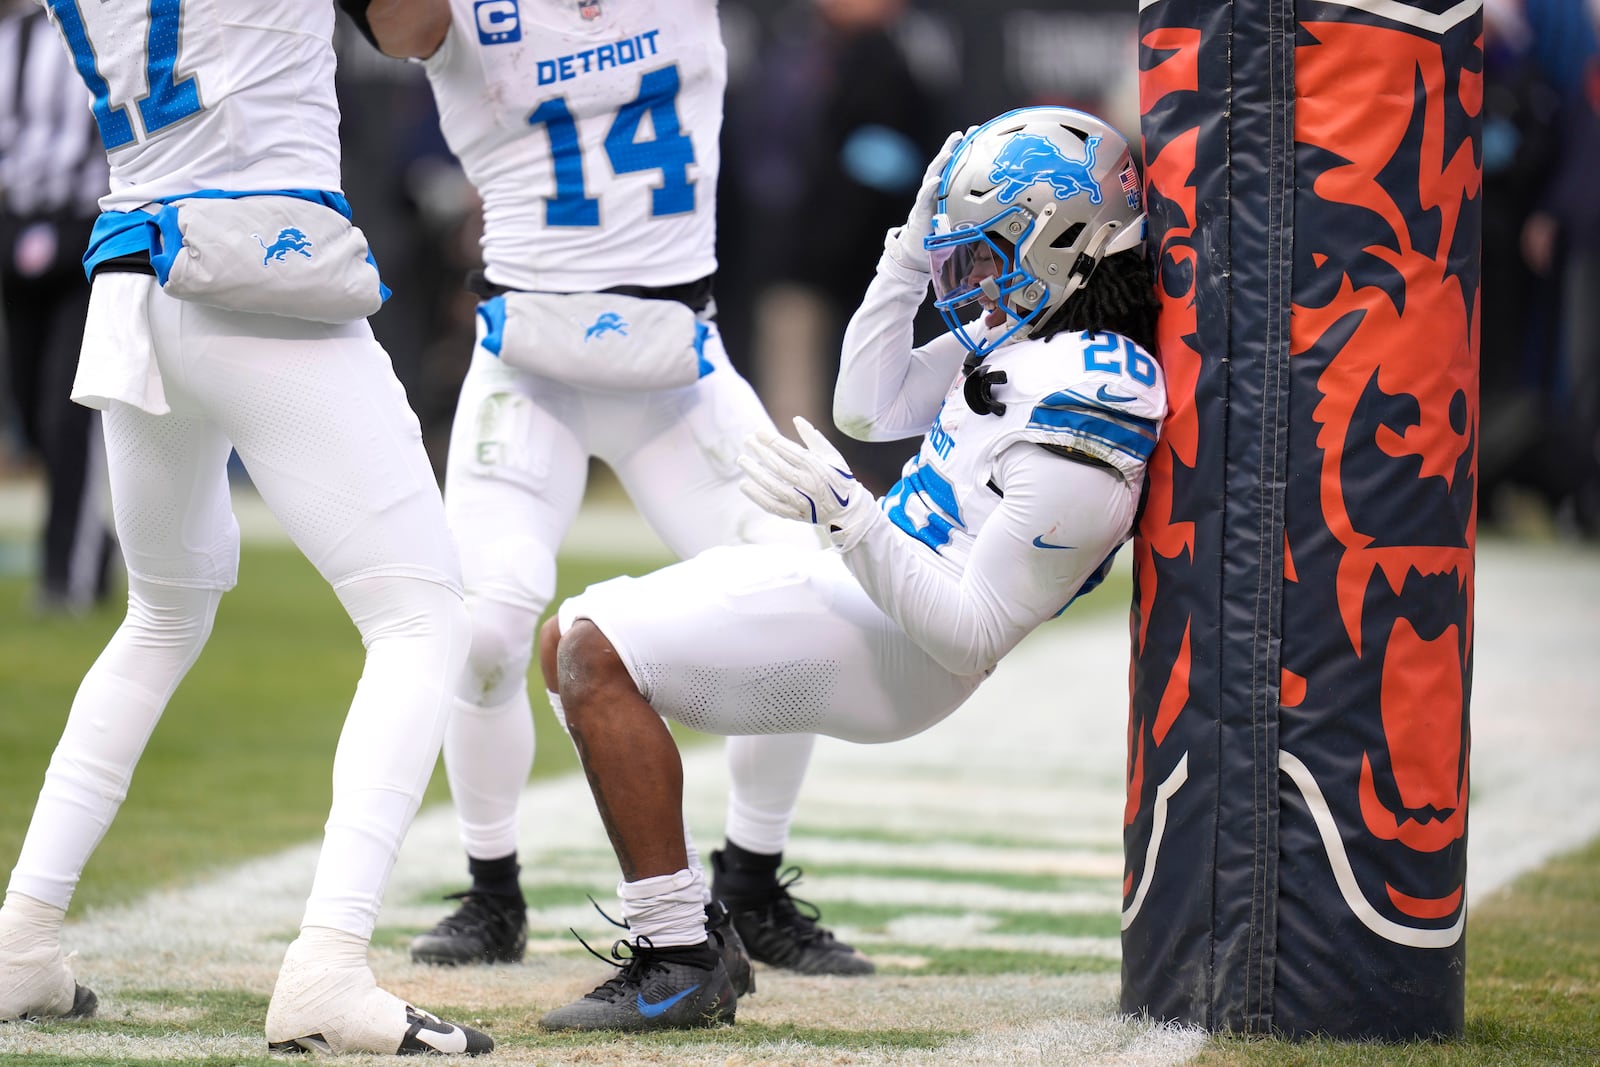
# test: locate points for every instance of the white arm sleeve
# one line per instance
(1058, 521)
(888, 390)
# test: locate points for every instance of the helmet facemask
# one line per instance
(1029, 204)
(979, 287)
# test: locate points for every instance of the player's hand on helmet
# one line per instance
(904, 243)
(809, 482)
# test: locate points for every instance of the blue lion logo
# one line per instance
(288, 240)
(1029, 158)
(609, 322)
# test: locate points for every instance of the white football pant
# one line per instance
(324, 429)
(518, 467)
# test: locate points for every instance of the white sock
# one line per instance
(116, 708)
(696, 868)
(34, 976)
(416, 637)
(766, 772)
(31, 920)
(327, 999)
(488, 755)
(326, 987)
(668, 910)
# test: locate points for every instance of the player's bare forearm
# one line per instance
(408, 29)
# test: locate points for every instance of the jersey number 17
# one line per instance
(169, 101)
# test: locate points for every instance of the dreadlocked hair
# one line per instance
(1120, 297)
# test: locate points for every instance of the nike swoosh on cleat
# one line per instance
(429, 1034)
(1113, 398)
(650, 1011)
(1038, 542)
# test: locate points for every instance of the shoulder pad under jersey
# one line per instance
(1096, 394)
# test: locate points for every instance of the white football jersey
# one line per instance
(1098, 396)
(207, 94)
(590, 132)
(988, 535)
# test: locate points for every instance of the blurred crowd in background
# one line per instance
(1539, 350)
(833, 108)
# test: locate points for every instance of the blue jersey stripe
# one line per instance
(1126, 433)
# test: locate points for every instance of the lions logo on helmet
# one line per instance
(1028, 158)
(1023, 220)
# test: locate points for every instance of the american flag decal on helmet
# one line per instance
(1130, 184)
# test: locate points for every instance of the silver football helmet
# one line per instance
(1029, 204)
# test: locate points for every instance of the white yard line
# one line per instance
(1022, 761)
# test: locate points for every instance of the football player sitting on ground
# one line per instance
(1039, 409)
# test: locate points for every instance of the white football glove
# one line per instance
(904, 243)
(809, 482)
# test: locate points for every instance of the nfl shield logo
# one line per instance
(589, 9)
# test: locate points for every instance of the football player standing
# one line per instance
(590, 131)
(228, 312)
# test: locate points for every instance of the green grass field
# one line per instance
(240, 764)
(239, 768)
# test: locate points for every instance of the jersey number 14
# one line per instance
(169, 100)
(670, 151)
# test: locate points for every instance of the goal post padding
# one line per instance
(1295, 830)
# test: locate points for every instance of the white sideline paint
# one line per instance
(1021, 784)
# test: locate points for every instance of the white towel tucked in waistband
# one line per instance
(118, 358)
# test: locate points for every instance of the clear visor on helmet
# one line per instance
(974, 275)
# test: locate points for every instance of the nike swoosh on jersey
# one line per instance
(650, 1011)
(1113, 398)
(1039, 542)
